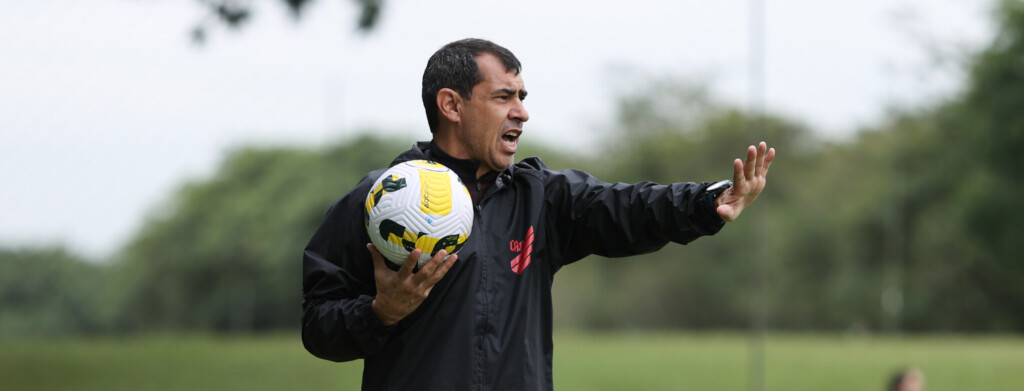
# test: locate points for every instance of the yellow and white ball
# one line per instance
(418, 204)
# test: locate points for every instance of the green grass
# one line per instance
(171, 363)
(791, 362)
(583, 361)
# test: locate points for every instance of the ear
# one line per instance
(449, 104)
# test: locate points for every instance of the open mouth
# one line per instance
(511, 137)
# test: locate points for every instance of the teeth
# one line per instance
(512, 133)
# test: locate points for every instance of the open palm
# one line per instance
(748, 181)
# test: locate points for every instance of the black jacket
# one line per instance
(487, 324)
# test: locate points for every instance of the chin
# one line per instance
(511, 160)
(504, 165)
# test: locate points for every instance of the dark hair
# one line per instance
(896, 381)
(454, 66)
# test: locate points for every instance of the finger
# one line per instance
(410, 263)
(768, 161)
(737, 172)
(762, 150)
(428, 268)
(444, 268)
(726, 212)
(748, 166)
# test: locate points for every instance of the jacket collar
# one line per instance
(464, 168)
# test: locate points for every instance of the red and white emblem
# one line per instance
(524, 248)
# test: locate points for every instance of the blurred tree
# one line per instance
(668, 131)
(47, 291)
(235, 13)
(224, 253)
(987, 137)
(912, 224)
(932, 206)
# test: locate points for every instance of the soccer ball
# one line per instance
(418, 204)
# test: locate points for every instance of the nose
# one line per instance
(519, 113)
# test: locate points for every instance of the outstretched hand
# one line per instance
(748, 181)
(400, 293)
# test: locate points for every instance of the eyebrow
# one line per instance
(509, 91)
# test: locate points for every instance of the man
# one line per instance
(482, 319)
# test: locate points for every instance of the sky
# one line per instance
(107, 107)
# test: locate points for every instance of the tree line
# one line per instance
(914, 224)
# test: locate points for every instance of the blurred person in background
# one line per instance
(910, 379)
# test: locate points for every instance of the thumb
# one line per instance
(728, 212)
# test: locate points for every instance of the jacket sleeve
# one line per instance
(338, 285)
(619, 219)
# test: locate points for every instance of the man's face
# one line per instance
(493, 117)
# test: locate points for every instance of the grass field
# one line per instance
(583, 361)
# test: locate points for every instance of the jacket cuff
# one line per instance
(372, 333)
(706, 214)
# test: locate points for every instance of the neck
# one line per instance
(466, 169)
(445, 140)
